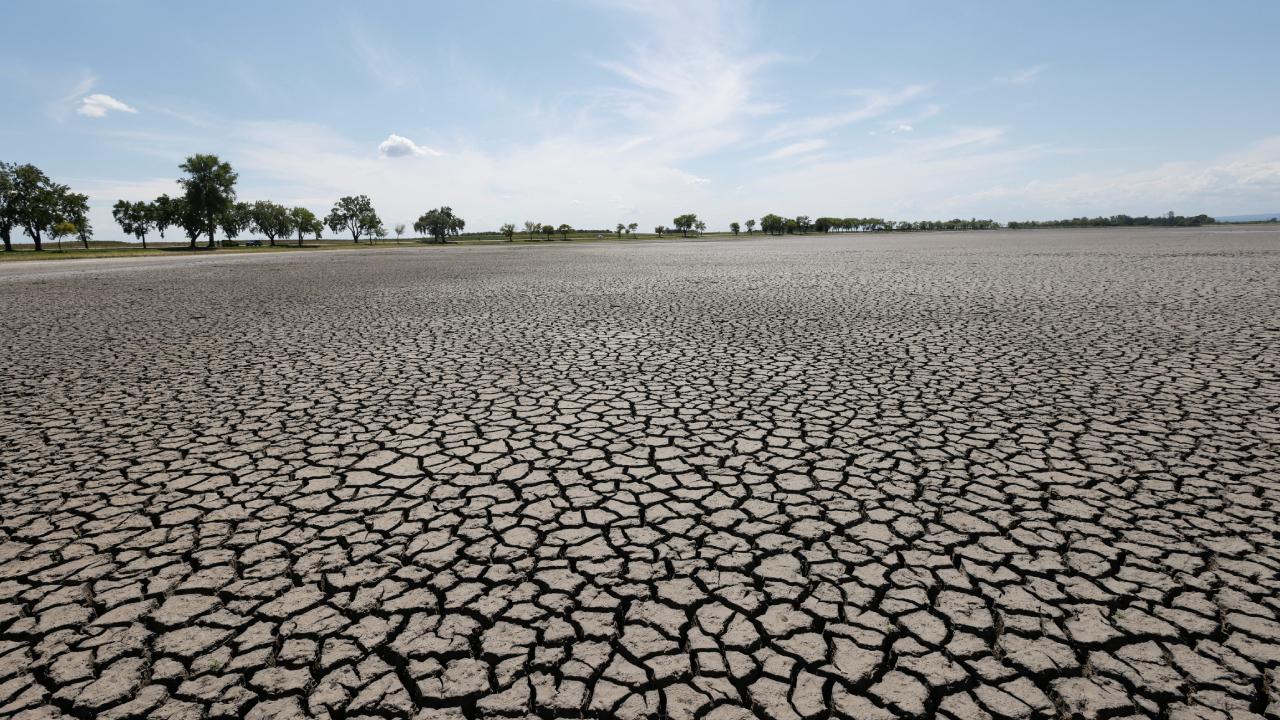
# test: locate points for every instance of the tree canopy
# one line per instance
(209, 191)
(440, 224)
(353, 214)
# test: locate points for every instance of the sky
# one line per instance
(594, 112)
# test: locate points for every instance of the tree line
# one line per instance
(1168, 220)
(208, 206)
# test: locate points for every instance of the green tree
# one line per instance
(74, 208)
(399, 230)
(734, 228)
(620, 228)
(772, 224)
(37, 202)
(134, 219)
(564, 230)
(658, 230)
(305, 223)
(440, 224)
(701, 227)
(632, 228)
(549, 230)
(8, 204)
(353, 214)
(164, 214)
(509, 231)
(237, 218)
(61, 229)
(210, 189)
(532, 228)
(685, 223)
(751, 225)
(270, 219)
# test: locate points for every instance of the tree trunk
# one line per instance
(8, 243)
(144, 242)
(213, 228)
(39, 243)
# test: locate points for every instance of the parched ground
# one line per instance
(967, 475)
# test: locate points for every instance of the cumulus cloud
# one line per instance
(903, 128)
(399, 146)
(98, 105)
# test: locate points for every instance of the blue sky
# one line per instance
(595, 113)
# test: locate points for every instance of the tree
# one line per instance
(62, 229)
(701, 227)
(133, 218)
(685, 223)
(37, 202)
(802, 223)
(532, 228)
(191, 221)
(353, 214)
(305, 223)
(751, 224)
(74, 208)
(399, 230)
(564, 230)
(620, 228)
(632, 228)
(658, 230)
(549, 230)
(509, 231)
(237, 219)
(8, 204)
(772, 224)
(271, 220)
(734, 227)
(210, 188)
(440, 224)
(164, 214)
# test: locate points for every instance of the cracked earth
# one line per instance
(958, 475)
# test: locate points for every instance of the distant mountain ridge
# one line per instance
(1248, 218)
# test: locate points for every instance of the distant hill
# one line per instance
(1247, 218)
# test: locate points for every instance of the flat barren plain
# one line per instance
(968, 475)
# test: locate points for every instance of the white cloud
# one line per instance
(1025, 76)
(875, 103)
(399, 146)
(903, 128)
(98, 105)
(804, 147)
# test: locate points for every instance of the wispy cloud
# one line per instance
(875, 103)
(378, 60)
(98, 105)
(1025, 76)
(802, 148)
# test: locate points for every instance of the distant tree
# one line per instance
(210, 187)
(61, 229)
(164, 214)
(8, 204)
(376, 230)
(237, 219)
(271, 219)
(564, 230)
(508, 231)
(658, 230)
(549, 230)
(772, 224)
(734, 228)
(802, 223)
(751, 224)
(685, 223)
(353, 214)
(532, 228)
(399, 229)
(134, 219)
(305, 222)
(631, 228)
(620, 228)
(440, 224)
(701, 227)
